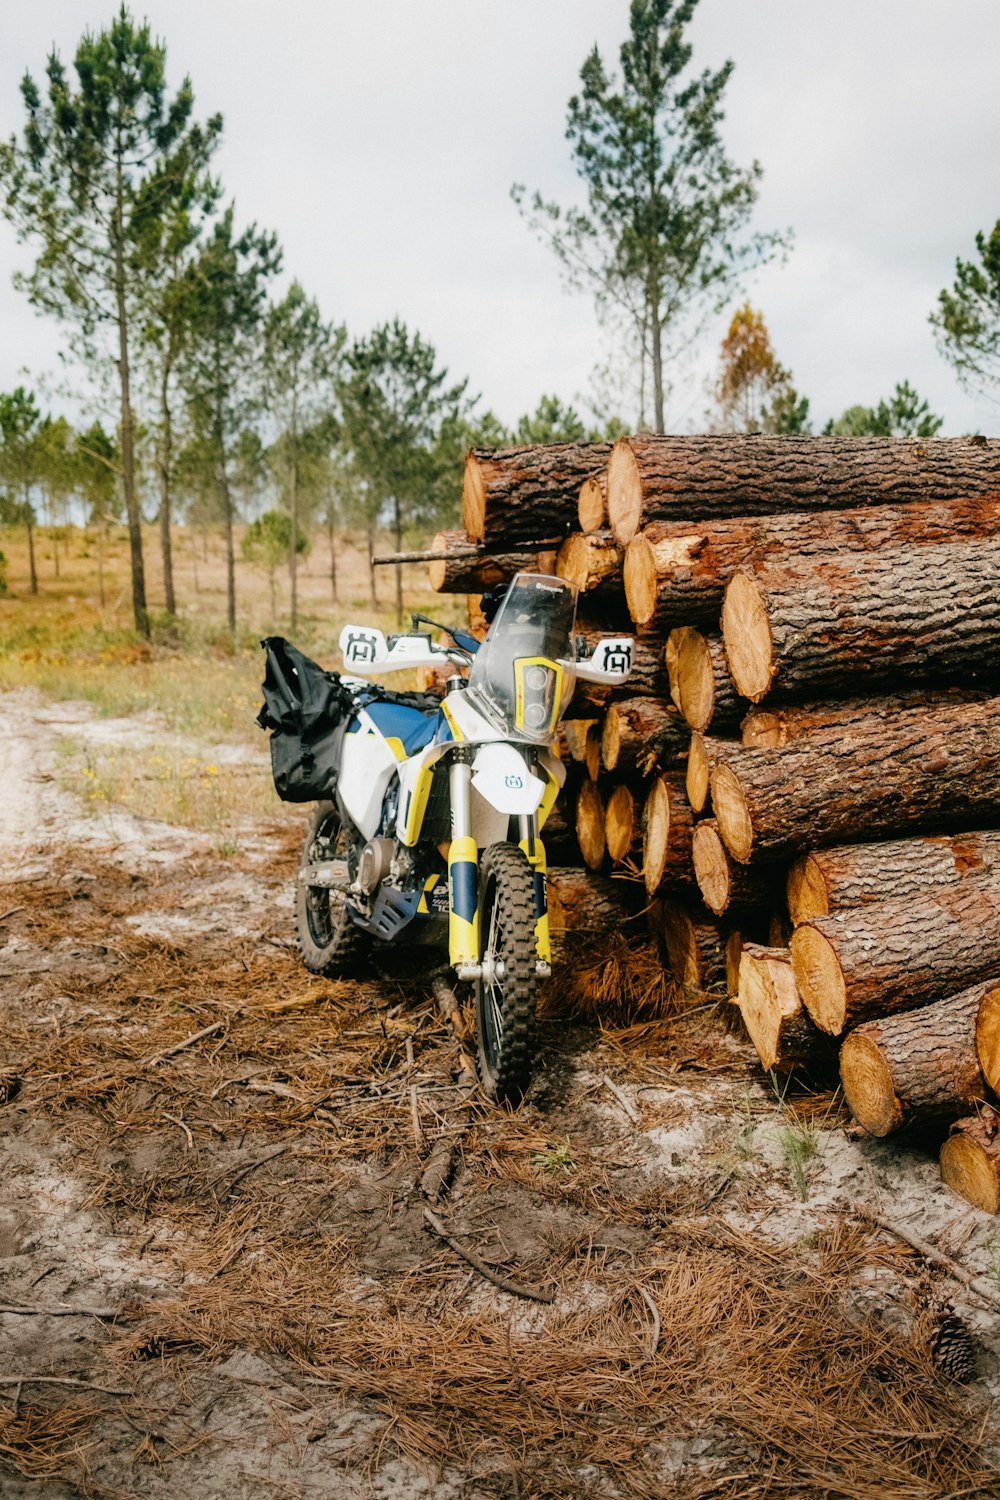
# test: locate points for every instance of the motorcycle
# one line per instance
(431, 832)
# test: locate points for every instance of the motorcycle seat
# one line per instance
(412, 727)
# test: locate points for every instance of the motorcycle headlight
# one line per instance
(539, 696)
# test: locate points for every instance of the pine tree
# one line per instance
(20, 465)
(663, 238)
(967, 319)
(98, 161)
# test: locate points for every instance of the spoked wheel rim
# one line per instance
(505, 994)
(324, 907)
(491, 1001)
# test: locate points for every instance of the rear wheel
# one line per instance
(329, 941)
(505, 997)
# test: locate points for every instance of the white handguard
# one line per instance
(367, 653)
(611, 661)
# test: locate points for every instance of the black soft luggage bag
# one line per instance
(307, 710)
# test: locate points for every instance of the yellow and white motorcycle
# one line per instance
(431, 831)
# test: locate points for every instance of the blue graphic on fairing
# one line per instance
(411, 726)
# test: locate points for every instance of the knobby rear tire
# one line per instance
(505, 1010)
(329, 942)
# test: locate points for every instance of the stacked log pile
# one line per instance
(802, 775)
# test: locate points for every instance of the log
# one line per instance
(970, 1160)
(592, 563)
(461, 569)
(728, 888)
(667, 828)
(592, 509)
(640, 734)
(901, 615)
(856, 874)
(694, 945)
(559, 834)
(683, 478)
(988, 1036)
(921, 1065)
(586, 905)
(512, 495)
(704, 754)
(700, 684)
(623, 827)
(733, 954)
(675, 572)
(897, 955)
(926, 768)
(574, 735)
(590, 824)
(778, 1025)
(772, 726)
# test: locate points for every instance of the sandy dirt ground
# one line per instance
(217, 1272)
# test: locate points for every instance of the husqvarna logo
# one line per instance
(360, 647)
(618, 658)
(514, 782)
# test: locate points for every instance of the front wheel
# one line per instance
(505, 997)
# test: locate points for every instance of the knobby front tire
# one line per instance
(505, 1007)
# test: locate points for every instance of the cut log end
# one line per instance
(591, 508)
(988, 1037)
(620, 822)
(695, 678)
(746, 633)
(819, 978)
(970, 1165)
(624, 492)
(731, 813)
(868, 1086)
(437, 571)
(590, 825)
(711, 868)
(611, 739)
(473, 499)
(640, 580)
(656, 838)
(808, 896)
(698, 773)
(592, 752)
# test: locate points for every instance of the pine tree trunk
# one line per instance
(293, 548)
(165, 467)
(901, 615)
(777, 1022)
(667, 829)
(398, 517)
(896, 955)
(33, 571)
(830, 880)
(467, 569)
(768, 728)
(132, 509)
(700, 684)
(512, 495)
(592, 562)
(227, 510)
(331, 536)
(675, 572)
(371, 565)
(693, 478)
(970, 1159)
(640, 734)
(924, 768)
(921, 1065)
(580, 902)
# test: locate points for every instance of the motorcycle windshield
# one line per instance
(523, 671)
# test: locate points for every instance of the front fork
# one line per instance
(463, 878)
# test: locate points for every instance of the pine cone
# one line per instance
(953, 1349)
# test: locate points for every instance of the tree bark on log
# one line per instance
(897, 955)
(667, 829)
(590, 824)
(623, 827)
(584, 904)
(903, 614)
(463, 569)
(923, 768)
(728, 888)
(920, 1065)
(705, 752)
(559, 834)
(694, 945)
(675, 572)
(970, 1160)
(700, 683)
(512, 495)
(684, 478)
(592, 505)
(768, 728)
(856, 874)
(988, 1036)
(640, 734)
(776, 1020)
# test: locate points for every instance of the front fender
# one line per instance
(501, 777)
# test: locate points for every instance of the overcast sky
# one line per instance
(381, 139)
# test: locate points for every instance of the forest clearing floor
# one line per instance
(213, 1230)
